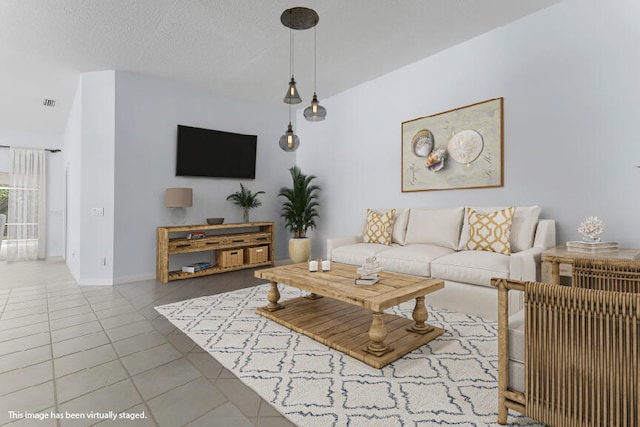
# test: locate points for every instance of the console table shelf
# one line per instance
(224, 237)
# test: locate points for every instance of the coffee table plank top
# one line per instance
(339, 284)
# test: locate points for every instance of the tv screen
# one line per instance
(213, 153)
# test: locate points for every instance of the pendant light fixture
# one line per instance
(289, 141)
(315, 112)
(292, 96)
(297, 18)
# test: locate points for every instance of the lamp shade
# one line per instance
(289, 141)
(292, 96)
(179, 197)
(315, 112)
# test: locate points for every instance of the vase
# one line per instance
(246, 214)
(299, 249)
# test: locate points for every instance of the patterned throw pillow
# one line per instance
(490, 232)
(379, 227)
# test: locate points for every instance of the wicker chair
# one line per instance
(581, 347)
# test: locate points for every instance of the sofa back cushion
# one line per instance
(523, 227)
(439, 227)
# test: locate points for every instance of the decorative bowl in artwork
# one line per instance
(215, 221)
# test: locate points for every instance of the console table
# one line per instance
(558, 261)
(236, 246)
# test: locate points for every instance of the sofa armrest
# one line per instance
(525, 265)
(545, 234)
(336, 242)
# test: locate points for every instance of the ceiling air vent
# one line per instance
(49, 102)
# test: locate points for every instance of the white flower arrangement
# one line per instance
(590, 228)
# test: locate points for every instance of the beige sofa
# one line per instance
(432, 243)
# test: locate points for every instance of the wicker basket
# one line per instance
(230, 258)
(257, 254)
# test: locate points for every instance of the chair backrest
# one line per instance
(582, 356)
(3, 220)
(607, 275)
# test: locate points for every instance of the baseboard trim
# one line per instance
(135, 278)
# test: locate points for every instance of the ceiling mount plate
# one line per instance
(299, 18)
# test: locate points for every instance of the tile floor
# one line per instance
(67, 350)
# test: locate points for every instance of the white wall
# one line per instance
(90, 142)
(55, 174)
(147, 114)
(569, 78)
(73, 181)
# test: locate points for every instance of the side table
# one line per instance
(558, 261)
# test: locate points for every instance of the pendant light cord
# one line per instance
(315, 57)
(291, 52)
(290, 63)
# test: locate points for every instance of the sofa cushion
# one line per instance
(490, 232)
(475, 267)
(523, 227)
(439, 227)
(379, 227)
(412, 259)
(357, 253)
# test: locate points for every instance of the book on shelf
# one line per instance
(198, 266)
(196, 235)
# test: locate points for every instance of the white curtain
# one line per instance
(26, 216)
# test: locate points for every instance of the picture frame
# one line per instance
(455, 149)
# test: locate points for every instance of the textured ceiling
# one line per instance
(230, 47)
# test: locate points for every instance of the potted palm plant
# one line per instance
(245, 199)
(299, 213)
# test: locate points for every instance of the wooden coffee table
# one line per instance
(351, 318)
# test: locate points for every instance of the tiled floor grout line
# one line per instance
(53, 365)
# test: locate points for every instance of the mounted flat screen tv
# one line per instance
(213, 153)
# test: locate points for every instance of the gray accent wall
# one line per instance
(125, 162)
(569, 79)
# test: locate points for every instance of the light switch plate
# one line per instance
(97, 211)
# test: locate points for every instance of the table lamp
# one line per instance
(179, 199)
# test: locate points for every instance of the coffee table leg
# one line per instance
(420, 315)
(377, 335)
(273, 296)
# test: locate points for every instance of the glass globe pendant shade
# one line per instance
(315, 112)
(292, 96)
(289, 141)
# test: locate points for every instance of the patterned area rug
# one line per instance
(451, 380)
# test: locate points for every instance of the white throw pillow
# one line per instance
(523, 227)
(435, 226)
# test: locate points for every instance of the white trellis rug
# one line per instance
(451, 380)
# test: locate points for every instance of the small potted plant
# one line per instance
(246, 199)
(299, 213)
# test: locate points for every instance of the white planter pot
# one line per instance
(299, 249)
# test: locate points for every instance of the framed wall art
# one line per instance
(461, 148)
